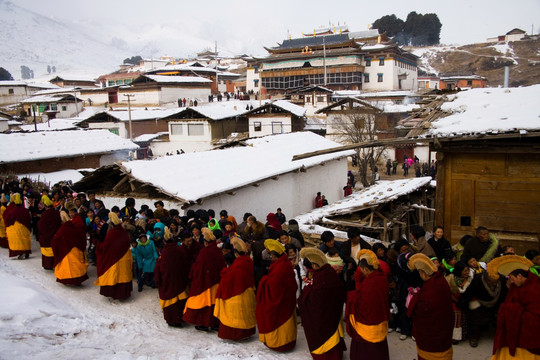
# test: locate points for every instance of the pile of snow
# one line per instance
(55, 177)
(52, 125)
(490, 110)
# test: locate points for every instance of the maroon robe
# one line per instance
(236, 279)
(71, 234)
(108, 253)
(204, 274)
(192, 252)
(432, 315)
(171, 276)
(48, 225)
(370, 306)
(22, 215)
(321, 308)
(276, 298)
(518, 320)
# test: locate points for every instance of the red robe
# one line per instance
(236, 280)
(276, 298)
(171, 276)
(518, 320)
(432, 315)
(321, 309)
(114, 253)
(69, 246)
(48, 225)
(369, 306)
(204, 274)
(15, 217)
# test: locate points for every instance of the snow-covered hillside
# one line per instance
(36, 41)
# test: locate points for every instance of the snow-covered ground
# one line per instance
(42, 319)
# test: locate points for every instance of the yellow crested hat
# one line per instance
(314, 255)
(369, 256)
(64, 216)
(238, 244)
(504, 265)
(274, 245)
(421, 262)
(167, 234)
(208, 234)
(16, 198)
(46, 201)
(114, 218)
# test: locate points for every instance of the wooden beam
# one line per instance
(120, 183)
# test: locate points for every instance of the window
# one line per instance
(195, 129)
(64, 107)
(381, 61)
(127, 81)
(119, 82)
(308, 98)
(177, 129)
(368, 62)
(469, 82)
(54, 107)
(114, 131)
(366, 78)
(379, 77)
(257, 126)
(320, 99)
(277, 127)
(11, 91)
(256, 83)
(110, 83)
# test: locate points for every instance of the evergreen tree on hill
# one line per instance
(418, 29)
(389, 24)
(5, 75)
(134, 60)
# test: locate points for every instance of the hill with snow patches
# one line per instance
(485, 59)
(36, 41)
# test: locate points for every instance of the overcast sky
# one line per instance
(181, 28)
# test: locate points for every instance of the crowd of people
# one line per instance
(233, 278)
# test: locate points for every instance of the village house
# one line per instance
(58, 150)
(72, 81)
(13, 92)
(312, 98)
(462, 82)
(199, 128)
(488, 164)
(143, 121)
(428, 82)
(513, 35)
(51, 106)
(276, 117)
(272, 180)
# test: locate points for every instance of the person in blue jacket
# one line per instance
(145, 255)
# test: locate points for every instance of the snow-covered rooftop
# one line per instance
(149, 137)
(380, 193)
(178, 79)
(12, 83)
(225, 109)
(289, 106)
(267, 157)
(55, 176)
(51, 125)
(17, 147)
(490, 110)
(47, 98)
(138, 114)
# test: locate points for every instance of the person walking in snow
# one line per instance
(145, 255)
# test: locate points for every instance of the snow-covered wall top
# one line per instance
(490, 110)
(382, 192)
(212, 172)
(17, 147)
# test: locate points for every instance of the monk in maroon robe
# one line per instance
(235, 298)
(48, 225)
(69, 249)
(204, 276)
(321, 309)
(18, 227)
(171, 276)
(115, 262)
(518, 320)
(276, 301)
(368, 311)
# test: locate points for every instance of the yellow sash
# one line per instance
(72, 266)
(283, 335)
(238, 311)
(121, 272)
(47, 251)
(371, 333)
(332, 341)
(174, 300)
(18, 237)
(204, 299)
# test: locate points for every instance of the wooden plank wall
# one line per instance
(500, 191)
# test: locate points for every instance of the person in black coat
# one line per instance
(438, 242)
(349, 250)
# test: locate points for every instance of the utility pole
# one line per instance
(324, 57)
(129, 96)
(76, 104)
(215, 57)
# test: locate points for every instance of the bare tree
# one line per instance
(355, 128)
